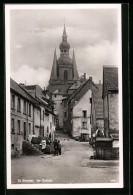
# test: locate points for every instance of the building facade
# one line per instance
(31, 115)
(79, 110)
(22, 115)
(46, 115)
(110, 100)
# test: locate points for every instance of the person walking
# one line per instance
(59, 147)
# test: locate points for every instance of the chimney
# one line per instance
(90, 78)
(99, 81)
(21, 84)
(84, 76)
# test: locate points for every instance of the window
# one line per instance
(65, 114)
(13, 102)
(65, 75)
(24, 111)
(12, 126)
(90, 100)
(29, 109)
(19, 105)
(84, 113)
(24, 130)
(84, 125)
(47, 131)
(12, 146)
(55, 95)
(18, 130)
(29, 128)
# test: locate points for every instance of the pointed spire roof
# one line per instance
(64, 44)
(75, 71)
(54, 67)
(64, 31)
(64, 36)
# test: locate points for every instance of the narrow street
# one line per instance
(73, 166)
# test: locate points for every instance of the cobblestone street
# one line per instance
(73, 166)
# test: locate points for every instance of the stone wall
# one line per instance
(107, 153)
(113, 111)
(110, 111)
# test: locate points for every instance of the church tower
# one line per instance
(64, 70)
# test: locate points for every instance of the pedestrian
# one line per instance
(43, 144)
(59, 147)
(56, 150)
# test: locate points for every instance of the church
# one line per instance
(70, 93)
(64, 70)
(64, 74)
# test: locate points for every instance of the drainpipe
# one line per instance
(27, 122)
(33, 120)
(40, 121)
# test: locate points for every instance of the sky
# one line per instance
(34, 35)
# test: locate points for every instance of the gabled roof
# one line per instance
(110, 79)
(22, 92)
(77, 94)
(81, 78)
(98, 101)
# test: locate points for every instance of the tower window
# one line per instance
(65, 75)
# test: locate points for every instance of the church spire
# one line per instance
(64, 37)
(54, 67)
(64, 46)
(75, 71)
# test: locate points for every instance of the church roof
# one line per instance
(54, 67)
(64, 32)
(64, 44)
(64, 60)
(75, 71)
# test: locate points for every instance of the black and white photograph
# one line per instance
(63, 96)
